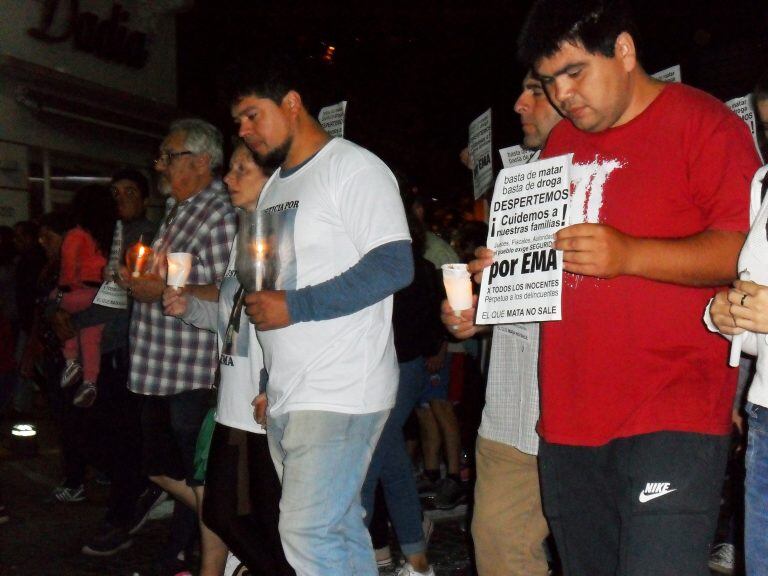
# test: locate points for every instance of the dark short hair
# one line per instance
(761, 88)
(273, 77)
(95, 211)
(28, 228)
(595, 24)
(58, 222)
(134, 176)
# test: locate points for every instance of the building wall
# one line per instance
(155, 80)
(88, 65)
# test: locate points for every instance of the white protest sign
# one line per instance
(671, 74)
(744, 110)
(515, 155)
(524, 283)
(480, 153)
(111, 296)
(332, 119)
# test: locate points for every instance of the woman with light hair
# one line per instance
(240, 501)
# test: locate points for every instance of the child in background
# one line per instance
(82, 261)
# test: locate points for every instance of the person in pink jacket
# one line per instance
(83, 257)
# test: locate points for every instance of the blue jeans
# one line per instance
(392, 465)
(756, 492)
(321, 459)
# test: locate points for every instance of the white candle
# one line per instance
(736, 341)
(458, 286)
(179, 266)
(141, 254)
(259, 258)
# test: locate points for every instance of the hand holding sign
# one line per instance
(483, 259)
(594, 250)
(523, 280)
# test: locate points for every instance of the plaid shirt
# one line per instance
(169, 356)
(512, 394)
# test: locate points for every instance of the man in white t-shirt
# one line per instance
(339, 241)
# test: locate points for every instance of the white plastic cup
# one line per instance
(179, 266)
(458, 286)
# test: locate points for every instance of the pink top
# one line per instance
(81, 260)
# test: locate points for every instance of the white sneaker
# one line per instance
(71, 374)
(407, 570)
(722, 559)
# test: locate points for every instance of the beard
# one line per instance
(273, 159)
(164, 187)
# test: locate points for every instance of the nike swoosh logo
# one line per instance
(648, 497)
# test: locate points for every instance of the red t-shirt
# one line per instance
(632, 356)
(81, 260)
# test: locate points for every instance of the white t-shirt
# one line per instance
(754, 259)
(240, 359)
(341, 204)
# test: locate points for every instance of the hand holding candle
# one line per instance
(179, 266)
(736, 341)
(458, 286)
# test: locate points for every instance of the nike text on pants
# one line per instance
(641, 505)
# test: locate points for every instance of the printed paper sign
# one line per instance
(111, 296)
(332, 119)
(530, 203)
(671, 74)
(744, 110)
(480, 153)
(515, 155)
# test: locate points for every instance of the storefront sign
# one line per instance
(109, 39)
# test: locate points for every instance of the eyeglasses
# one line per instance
(166, 158)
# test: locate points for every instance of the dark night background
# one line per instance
(416, 73)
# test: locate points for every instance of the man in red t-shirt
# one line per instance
(635, 393)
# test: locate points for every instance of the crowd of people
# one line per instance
(276, 395)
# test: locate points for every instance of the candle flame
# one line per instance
(259, 249)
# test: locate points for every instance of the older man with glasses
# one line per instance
(173, 363)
